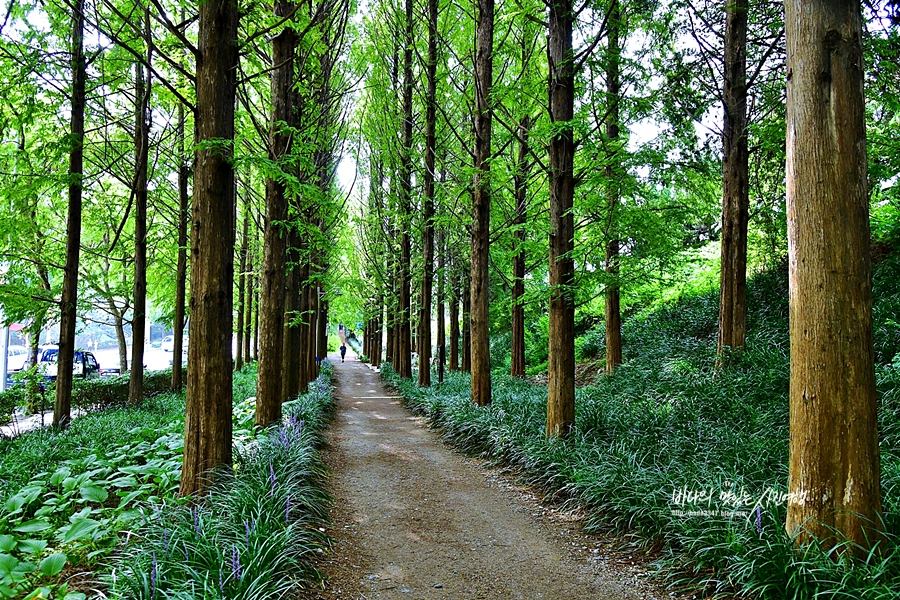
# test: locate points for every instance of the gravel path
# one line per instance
(414, 519)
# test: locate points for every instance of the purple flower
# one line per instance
(758, 520)
(247, 532)
(235, 563)
(153, 577)
(196, 516)
(221, 585)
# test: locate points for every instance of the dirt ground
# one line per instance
(413, 519)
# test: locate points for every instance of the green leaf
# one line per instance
(79, 530)
(7, 543)
(129, 497)
(92, 493)
(32, 526)
(13, 504)
(32, 546)
(57, 478)
(8, 564)
(52, 565)
(75, 596)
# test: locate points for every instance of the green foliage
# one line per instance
(667, 421)
(257, 531)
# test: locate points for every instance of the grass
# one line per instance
(668, 426)
(258, 530)
(68, 497)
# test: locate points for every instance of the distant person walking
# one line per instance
(343, 352)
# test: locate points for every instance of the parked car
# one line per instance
(84, 365)
(16, 357)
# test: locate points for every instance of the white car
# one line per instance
(16, 356)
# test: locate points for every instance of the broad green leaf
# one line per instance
(92, 493)
(129, 497)
(79, 530)
(7, 543)
(8, 564)
(52, 565)
(32, 526)
(32, 546)
(13, 504)
(60, 476)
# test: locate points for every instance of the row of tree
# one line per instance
(151, 212)
(547, 198)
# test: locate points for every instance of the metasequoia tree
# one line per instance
(520, 185)
(139, 191)
(269, 394)
(612, 306)
(428, 201)
(207, 427)
(834, 481)
(481, 207)
(67, 323)
(402, 328)
(561, 358)
(181, 268)
(735, 182)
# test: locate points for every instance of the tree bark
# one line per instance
(441, 319)
(181, 269)
(428, 201)
(207, 428)
(561, 361)
(735, 183)
(141, 151)
(612, 303)
(466, 327)
(303, 328)
(520, 184)
(479, 315)
(242, 280)
(248, 324)
(269, 392)
(834, 482)
(454, 324)
(67, 322)
(403, 328)
(291, 353)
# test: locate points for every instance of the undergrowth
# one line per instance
(679, 457)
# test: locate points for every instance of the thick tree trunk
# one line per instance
(466, 327)
(735, 183)
(424, 336)
(561, 361)
(292, 354)
(67, 322)
(834, 481)
(404, 329)
(181, 269)
(207, 428)
(241, 302)
(517, 368)
(312, 344)
(481, 208)
(441, 320)
(612, 303)
(141, 147)
(269, 392)
(255, 324)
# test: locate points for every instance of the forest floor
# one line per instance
(414, 519)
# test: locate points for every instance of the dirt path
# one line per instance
(414, 519)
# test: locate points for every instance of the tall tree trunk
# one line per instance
(313, 343)
(834, 482)
(322, 320)
(517, 368)
(613, 311)
(561, 361)
(181, 269)
(291, 354)
(466, 327)
(441, 320)
(67, 322)
(121, 339)
(479, 315)
(141, 151)
(255, 323)
(735, 183)
(454, 324)
(404, 330)
(207, 427)
(250, 313)
(242, 281)
(269, 392)
(303, 373)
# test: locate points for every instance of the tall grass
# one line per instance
(255, 534)
(667, 421)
